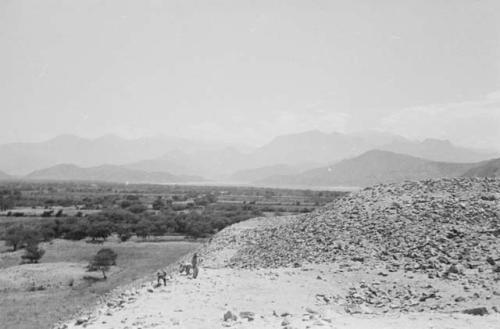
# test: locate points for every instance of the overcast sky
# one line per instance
(245, 71)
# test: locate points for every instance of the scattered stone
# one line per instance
(490, 261)
(250, 316)
(476, 311)
(229, 316)
(311, 311)
(81, 321)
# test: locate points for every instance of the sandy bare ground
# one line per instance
(280, 298)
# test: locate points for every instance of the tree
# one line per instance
(74, 231)
(158, 204)
(33, 252)
(14, 237)
(137, 208)
(124, 232)
(104, 258)
(18, 236)
(49, 230)
(99, 230)
(143, 229)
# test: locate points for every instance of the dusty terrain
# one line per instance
(277, 298)
(412, 255)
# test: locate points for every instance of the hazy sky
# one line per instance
(246, 71)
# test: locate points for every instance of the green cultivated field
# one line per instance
(40, 309)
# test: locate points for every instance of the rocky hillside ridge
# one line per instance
(438, 227)
(489, 168)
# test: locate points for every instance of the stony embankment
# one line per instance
(424, 226)
(410, 255)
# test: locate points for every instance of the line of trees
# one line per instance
(126, 224)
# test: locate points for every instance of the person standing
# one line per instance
(194, 265)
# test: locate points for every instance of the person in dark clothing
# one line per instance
(194, 265)
(162, 276)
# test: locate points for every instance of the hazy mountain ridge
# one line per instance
(372, 167)
(208, 163)
(307, 150)
(180, 156)
(437, 150)
(23, 158)
(4, 176)
(489, 168)
(107, 173)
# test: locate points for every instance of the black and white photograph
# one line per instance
(249, 164)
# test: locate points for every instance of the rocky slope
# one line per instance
(424, 226)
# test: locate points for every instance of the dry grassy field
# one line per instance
(65, 292)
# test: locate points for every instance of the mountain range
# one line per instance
(370, 168)
(306, 150)
(23, 158)
(107, 173)
(307, 158)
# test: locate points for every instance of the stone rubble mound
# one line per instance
(443, 228)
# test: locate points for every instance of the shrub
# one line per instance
(47, 213)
